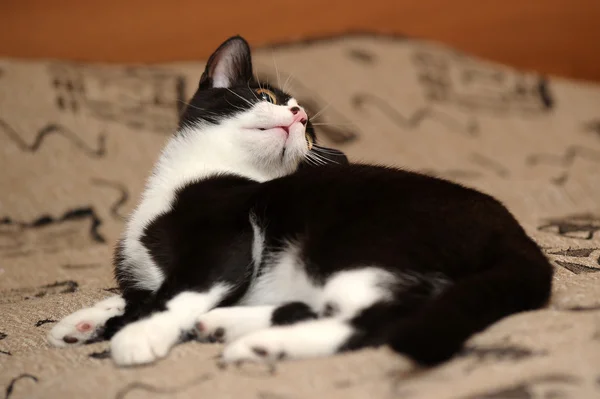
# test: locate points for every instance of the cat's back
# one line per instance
(363, 184)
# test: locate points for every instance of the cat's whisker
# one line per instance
(310, 161)
(324, 149)
(324, 153)
(257, 80)
(204, 111)
(313, 157)
(321, 111)
(246, 100)
(235, 106)
(290, 76)
(331, 124)
(276, 70)
(323, 159)
(253, 92)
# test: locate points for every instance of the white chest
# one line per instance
(284, 280)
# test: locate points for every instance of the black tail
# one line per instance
(515, 282)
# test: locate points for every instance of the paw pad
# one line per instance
(218, 335)
(259, 351)
(84, 326)
(70, 340)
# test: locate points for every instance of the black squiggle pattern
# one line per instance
(45, 321)
(161, 390)
(78, 266)
(361, 55)
(524, 390)
(56, 129)
(565, 160)
(576, 268)
(582, 226)
(7, 353)
(593, 127)
(593, 308)
(143, 98)
(2, 336)
(70, 286)
(453, 78)
(115, 208)
(500, 352)
(73, 214)
(575, 252)
(11, 385)
(416, 118)
(270, 395)
(105, 354)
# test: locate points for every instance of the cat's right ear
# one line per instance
(230, 64)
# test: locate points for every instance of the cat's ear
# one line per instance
(231, 63)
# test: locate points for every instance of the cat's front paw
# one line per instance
(86, 324)
(143, 341)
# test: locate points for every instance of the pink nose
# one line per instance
(299, 115)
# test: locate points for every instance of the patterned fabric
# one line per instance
(77, 142)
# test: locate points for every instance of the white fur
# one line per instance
(258, 245)
(96, 316)
(236, 321)
(348, 291)
(351, 291)
(303, 340)
(284, 280)
(236, 146)
(149, 339)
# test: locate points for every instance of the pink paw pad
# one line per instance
(84, 326)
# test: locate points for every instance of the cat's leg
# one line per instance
(230, 323)
(346, 296)
(514, 282)
(313, 338)
(151, 338)
(86, 325)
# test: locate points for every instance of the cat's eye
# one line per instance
(267, 95)
(309, 141)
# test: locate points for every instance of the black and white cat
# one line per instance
(234, 240)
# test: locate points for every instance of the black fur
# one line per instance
(474, 262)
(291, 313)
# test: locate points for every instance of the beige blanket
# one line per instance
(77, 141)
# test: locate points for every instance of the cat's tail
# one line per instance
(516, 281)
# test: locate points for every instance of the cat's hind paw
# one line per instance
(230, 323)
(299, 341)
(85, 325)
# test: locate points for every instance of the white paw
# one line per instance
(85, 324)
(303, 340)
(231, 323)
(144, 341)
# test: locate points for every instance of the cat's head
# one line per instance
(256, 121)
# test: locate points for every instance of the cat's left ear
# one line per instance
(230, 64)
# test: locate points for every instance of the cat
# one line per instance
(236, 239)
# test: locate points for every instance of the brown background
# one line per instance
(552, 36)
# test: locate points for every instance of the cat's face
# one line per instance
(262, 123)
